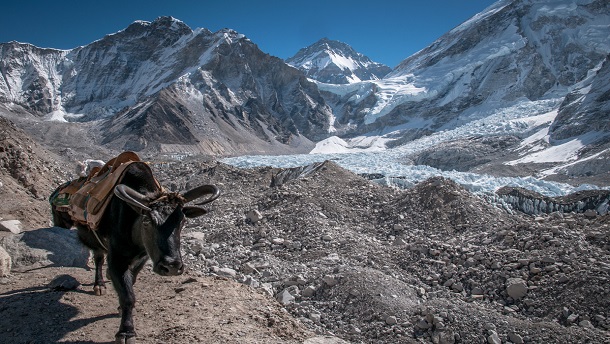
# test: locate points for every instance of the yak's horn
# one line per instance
(199, 191)
(131, 196)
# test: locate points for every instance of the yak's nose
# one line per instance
(169, 267)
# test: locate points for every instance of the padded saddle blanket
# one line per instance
(86, 198)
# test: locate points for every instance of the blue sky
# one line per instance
(387, 31)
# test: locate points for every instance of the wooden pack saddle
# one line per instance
(85, 199)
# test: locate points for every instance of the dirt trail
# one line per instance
(183, 309)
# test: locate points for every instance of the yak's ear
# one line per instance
(190, 211)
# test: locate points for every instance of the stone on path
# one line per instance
(516, 288)
(5, 263)
(13, 226)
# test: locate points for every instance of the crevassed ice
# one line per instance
(512, 120)
(386, 163)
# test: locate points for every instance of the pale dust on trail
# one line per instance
(182, 309)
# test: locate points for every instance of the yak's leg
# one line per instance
(61, 218)
(99, 286)
(89, 239)
(122, 279)
(137, 266)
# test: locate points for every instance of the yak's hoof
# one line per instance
(99, 290)
(124, 338)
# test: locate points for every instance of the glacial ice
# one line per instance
(402, 175)
(391, 163)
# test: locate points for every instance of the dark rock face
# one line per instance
(289, 174)
(581, 111)
(275, 94)
(140, 127)
(463, 155)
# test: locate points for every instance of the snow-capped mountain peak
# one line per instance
(203, 86)
(335, 62)
(496, 74)
(512, 52)
(165, 26)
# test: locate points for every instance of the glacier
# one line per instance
(368, 155)
(401, 175)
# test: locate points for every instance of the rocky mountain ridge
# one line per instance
(529, 69)
(179, 85)
(514, 51)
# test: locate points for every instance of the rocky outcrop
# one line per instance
(465, 154)
(5, 263)
(288, 174)
(590, 201)
(587, 108)
(52, 246)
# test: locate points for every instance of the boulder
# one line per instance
(285, 297)
(331, 281)
(391, 320)
(52, 246)
(254, 216)
(324, 340)
(225, 272)
(493, 338)
(64, 283)
(13, 226)
(515, 338)
(309, 291)
(590, 213)
(516, 288)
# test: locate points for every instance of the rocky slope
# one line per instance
(28, 173)
(434, 263)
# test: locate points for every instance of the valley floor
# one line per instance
(285, 254)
